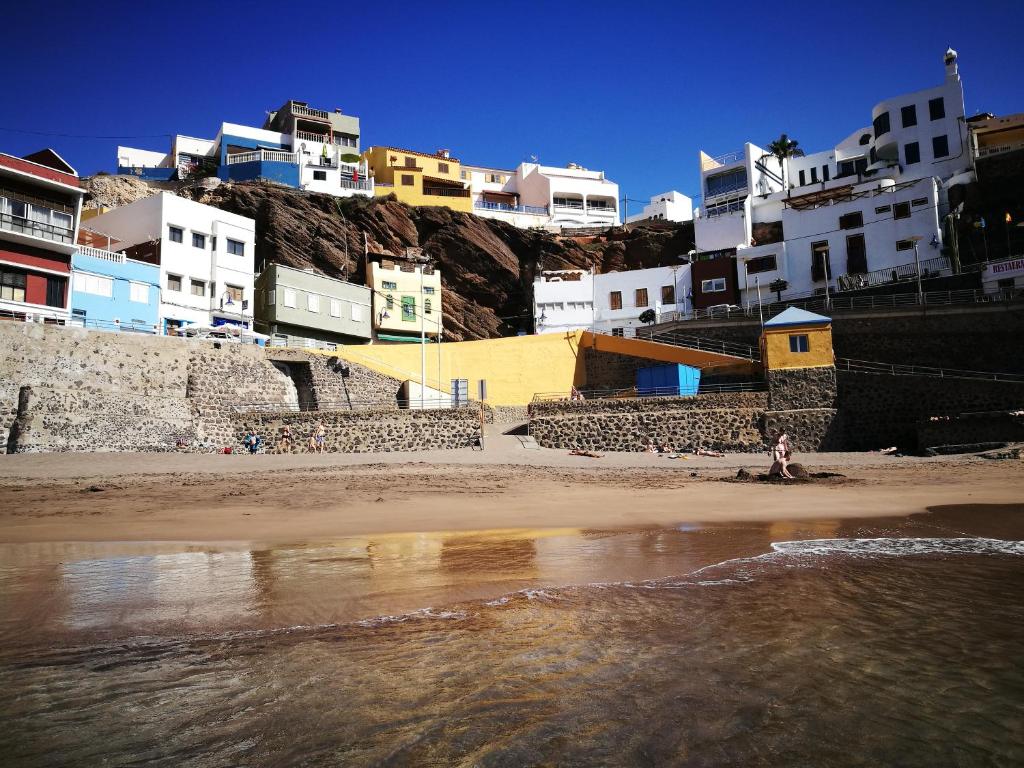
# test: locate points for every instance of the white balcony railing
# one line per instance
(600, 210)
(262, 155)
(309, 112)
(323, 138)
(569, 206)
(99, 253)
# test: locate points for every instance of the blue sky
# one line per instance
(635, 89)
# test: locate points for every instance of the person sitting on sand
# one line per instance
(650, 447)
(252, 442)
(781, 455)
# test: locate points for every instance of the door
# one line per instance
(856, 255)
(460, 392)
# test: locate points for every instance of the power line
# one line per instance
(85, 136)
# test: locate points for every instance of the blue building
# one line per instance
(113, 292)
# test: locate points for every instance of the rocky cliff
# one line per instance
(487, 266)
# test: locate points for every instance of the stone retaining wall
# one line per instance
(718, 422)
(376, 430)
(798, 388)
(997, 427)
(809, 429)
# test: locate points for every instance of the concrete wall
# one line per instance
(338, 310)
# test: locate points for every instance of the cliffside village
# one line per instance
(879, 208)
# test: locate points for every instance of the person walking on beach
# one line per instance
(284, 445)
(319, 437)
(781, 454)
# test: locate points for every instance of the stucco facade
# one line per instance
(668, 206)
(406, 301)
(113, 292)
(418, 178)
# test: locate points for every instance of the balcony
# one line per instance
(537, 210)
(600, 210)
(319, 114)
(446, 191)
(365, 185)
(263, 156)
(321, 138)
(100, 253)
(568, 205)
(25, 226)
(929, 268)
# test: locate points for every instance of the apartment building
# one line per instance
(496, 196)
(112, 292)
(406, 297)
(297, 145)
(40, 211)
(838, 219)
(574, 196)
(567, 300)
(205, 256)
(301, 304)
(419, 178)
(668, 206)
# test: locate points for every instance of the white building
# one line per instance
(668, 206)
(565, 300)
(298, 146)
(206, 257)
(496, 196)
(844, 217)
(574, 196)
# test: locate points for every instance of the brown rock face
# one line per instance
(487, 266)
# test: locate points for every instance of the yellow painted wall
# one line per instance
(775, 347)
(515, 368)
(388, 166)
(407, 284)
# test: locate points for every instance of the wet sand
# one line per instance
(126, 497)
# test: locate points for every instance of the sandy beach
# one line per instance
(154, 497)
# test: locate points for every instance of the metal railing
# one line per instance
(394, 403)
(299, 342)
(445, 192)
(630, 393)
(263, 155)
(726, 159)
(539, 210)
(732, 349)
(929, 268)
(897, 369)
(601, 209)
(569, 206)
(32, 315)
(27, 226)
(365, 184)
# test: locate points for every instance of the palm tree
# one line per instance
(782, 149)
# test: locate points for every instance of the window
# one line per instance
(271, 298)
(139, 292)
(174, 282)
(940, 147)
(176, 234)
(845, 169)
(881, 124)
(803, 178)
(495, 178)
(410, 162)
(821, 267)
(761, 264)
(919, 201)
(427, 307)
(198, 240)
(714, 285)
(319, 175)
(856, 255)
(798, 342)
(824, 173)
(389, 285)
(54, 292)
(865, 139)
(12, 285)
(462, 175)
(96, 285)
(908, 115)
(442, 167)
(289, 298)
(873, 155)
(904, 245)
(618, 331)
(814, 175)
(312, 302)
(668, 294)
(407, 180)
(936, 108)
(615, 300)
(883, 209)
(911, 153)
(729, 181)
(860, 165)
(335, 308)
(233, 291)
(198, 288)
(428, 289)
(851, 220)
(357, 313)
(236, 248)
(408, 308)
(901, 211)
(390, 302)
(640, 297)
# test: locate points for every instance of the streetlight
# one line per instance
(227, 301)
(917, 268)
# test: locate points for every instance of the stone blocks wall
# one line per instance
(721, 422)
(795, 388)
(375, 430)
(809, 429)
(506, 414)
(970, 428)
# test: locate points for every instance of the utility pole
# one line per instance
(917, 269)
(423, 343)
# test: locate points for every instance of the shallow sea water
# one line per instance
(863, 643)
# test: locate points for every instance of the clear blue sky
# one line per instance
(635, 89)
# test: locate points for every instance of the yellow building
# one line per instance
(417, 178)
(797, 338)
(406, 298)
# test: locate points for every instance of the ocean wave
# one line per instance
(899, 546)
